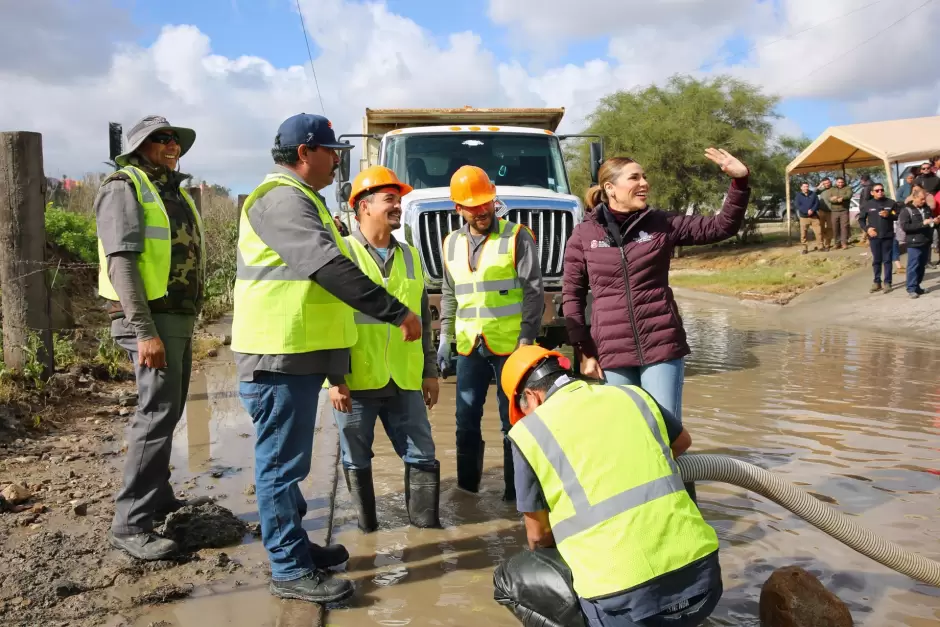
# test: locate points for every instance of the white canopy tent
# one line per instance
(868, 145)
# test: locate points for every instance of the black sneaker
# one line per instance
(920, 291)
(315, 587)
(144, 546)
(328, 556)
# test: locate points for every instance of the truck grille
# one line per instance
(552, 228)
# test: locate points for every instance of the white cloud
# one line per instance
(798, 48)
(235, 105)
(83, 76)
(547, 22)
(833, 60)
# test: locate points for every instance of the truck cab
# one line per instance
(519, 150)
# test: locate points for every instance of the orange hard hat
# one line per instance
(517, 369)
(471, 186)
(375, 177)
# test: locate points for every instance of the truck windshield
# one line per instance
(524, 160)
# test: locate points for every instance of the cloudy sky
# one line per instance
(233, 69)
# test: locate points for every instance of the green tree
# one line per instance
(667, 129)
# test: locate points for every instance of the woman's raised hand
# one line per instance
(729, 164)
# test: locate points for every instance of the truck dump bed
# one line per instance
(381, 121)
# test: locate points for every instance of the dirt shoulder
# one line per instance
(848, 302)
(769, 272)
(61, 448)
(845, 301)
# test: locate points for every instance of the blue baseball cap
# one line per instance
(308, 129)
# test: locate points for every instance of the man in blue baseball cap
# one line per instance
(296, 291)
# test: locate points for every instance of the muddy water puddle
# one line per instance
(852, 416)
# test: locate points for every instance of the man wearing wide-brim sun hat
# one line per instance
(151, 253)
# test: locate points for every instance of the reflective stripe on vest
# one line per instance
(622, 499)
(489, 299)
(154, 263)
(380, 353)
(278, 311)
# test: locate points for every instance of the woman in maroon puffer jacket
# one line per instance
(622, 252)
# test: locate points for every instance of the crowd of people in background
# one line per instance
(890, 226)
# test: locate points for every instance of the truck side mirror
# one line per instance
(343, 190)
(344, 165)
(597, 157)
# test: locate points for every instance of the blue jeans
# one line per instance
(474, 374)
(917, 258)
(692, 616)
(283, 409)
(405, 418)
(895, 250)
(662, 381)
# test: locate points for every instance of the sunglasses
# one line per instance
(164, 138)
(877, 191)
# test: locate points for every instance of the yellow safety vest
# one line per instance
(154, 262)
(380, 353)
(489, 299)
(619, 512)
(278, 311)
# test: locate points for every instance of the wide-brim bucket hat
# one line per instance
(150, 125)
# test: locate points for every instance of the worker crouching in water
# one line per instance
(616, 540)
(491, 302)
(389, 378)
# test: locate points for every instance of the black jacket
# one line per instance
(869, 216)
(912, 222)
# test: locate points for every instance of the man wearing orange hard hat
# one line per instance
(491, 302)
(388, 378)
(614, 536)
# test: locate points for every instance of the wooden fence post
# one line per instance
(23, 283)
(196, 193)
(241, 202)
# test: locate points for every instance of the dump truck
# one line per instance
(522, 154)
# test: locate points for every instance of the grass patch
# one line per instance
(772, 273)
(203, 345)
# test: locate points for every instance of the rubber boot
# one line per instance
(423, 494)
(509, 477)
(470, 468)
(362, 492)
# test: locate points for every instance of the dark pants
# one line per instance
(840, 227)
(161, 396)
(283, 409)
(882, 249)
(537, 587)
(474, 375)
(917, 258)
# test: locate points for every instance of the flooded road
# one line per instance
(850, 415)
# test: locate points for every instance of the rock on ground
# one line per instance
(207, 526)
(793, 597)
(16, 493)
